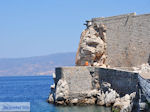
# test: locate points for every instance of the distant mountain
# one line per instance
(40, 65)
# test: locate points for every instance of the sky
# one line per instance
(41, 27)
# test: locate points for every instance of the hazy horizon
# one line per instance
(39, 55)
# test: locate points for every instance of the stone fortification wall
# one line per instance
(124, 82)
(82, 79)
(128, 44)
(95, 85)
(128, 39)
(78, 79)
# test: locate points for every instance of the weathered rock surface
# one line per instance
(101, 98)
(111, 95)
(51, 96)
(92, 46)
(125, 103)
(107, 95)
(104, 96)
(51, 99)
(61, 90)
(59, 94)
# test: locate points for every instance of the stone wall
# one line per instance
(95, 85)
(124, 82)
(80, 79)
(128, 39)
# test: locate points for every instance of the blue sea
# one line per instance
(36, 89)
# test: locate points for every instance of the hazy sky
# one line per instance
(41, 27)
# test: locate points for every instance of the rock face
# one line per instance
(62, 90)
(92, 46)
(59, 93)
(125, 103)
(106, 95)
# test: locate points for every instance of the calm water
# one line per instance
(35, 89)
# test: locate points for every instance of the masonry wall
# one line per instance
(79, 79)
(128, 39)
(123, 82)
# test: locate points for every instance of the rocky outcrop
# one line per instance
(125, 103)
(92, 46)
(61, 90)
(59, 93)
(110, 97)
(104, 96)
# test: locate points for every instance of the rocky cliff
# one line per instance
(92, 46)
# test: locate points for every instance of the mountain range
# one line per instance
(38, 65)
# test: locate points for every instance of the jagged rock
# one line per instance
(51, 99)
(101, 98)
(92, 46)
(51, 96)
(61, 90)
(106, 96)
(132, 95)
(125, 103)
(110, 97)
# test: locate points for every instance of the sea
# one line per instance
(36, 89)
